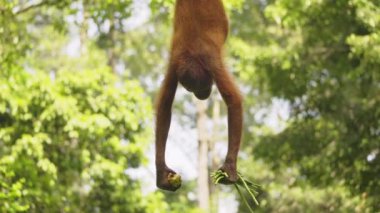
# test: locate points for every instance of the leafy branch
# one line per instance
(26, 8)
(250, 187)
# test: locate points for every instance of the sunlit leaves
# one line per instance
(367, 46)
(55, 128)
(12, 195)
(233, 4)
(367, 12)
(157, 5)
(325, 61)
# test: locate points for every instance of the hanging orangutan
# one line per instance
(196, 62)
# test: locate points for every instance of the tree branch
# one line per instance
(29, 7)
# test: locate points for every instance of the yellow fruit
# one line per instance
(174, 180)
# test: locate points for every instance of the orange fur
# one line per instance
(200, 31)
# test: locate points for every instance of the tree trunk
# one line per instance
(83, 29)
(111, 52)
(215, 160)
(203, 185)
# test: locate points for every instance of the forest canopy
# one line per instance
(78, 81)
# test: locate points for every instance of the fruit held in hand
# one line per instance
(174, 180)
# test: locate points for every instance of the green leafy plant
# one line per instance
(249, 186)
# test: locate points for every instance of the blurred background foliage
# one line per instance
(77, 81)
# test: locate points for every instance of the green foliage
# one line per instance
(182, 200)
(287, 189)
(322, 57)
(68, 141)
(156, 5)
(67, 138)
(12, 36)
(101, 11)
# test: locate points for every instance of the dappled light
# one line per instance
(79, 81)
